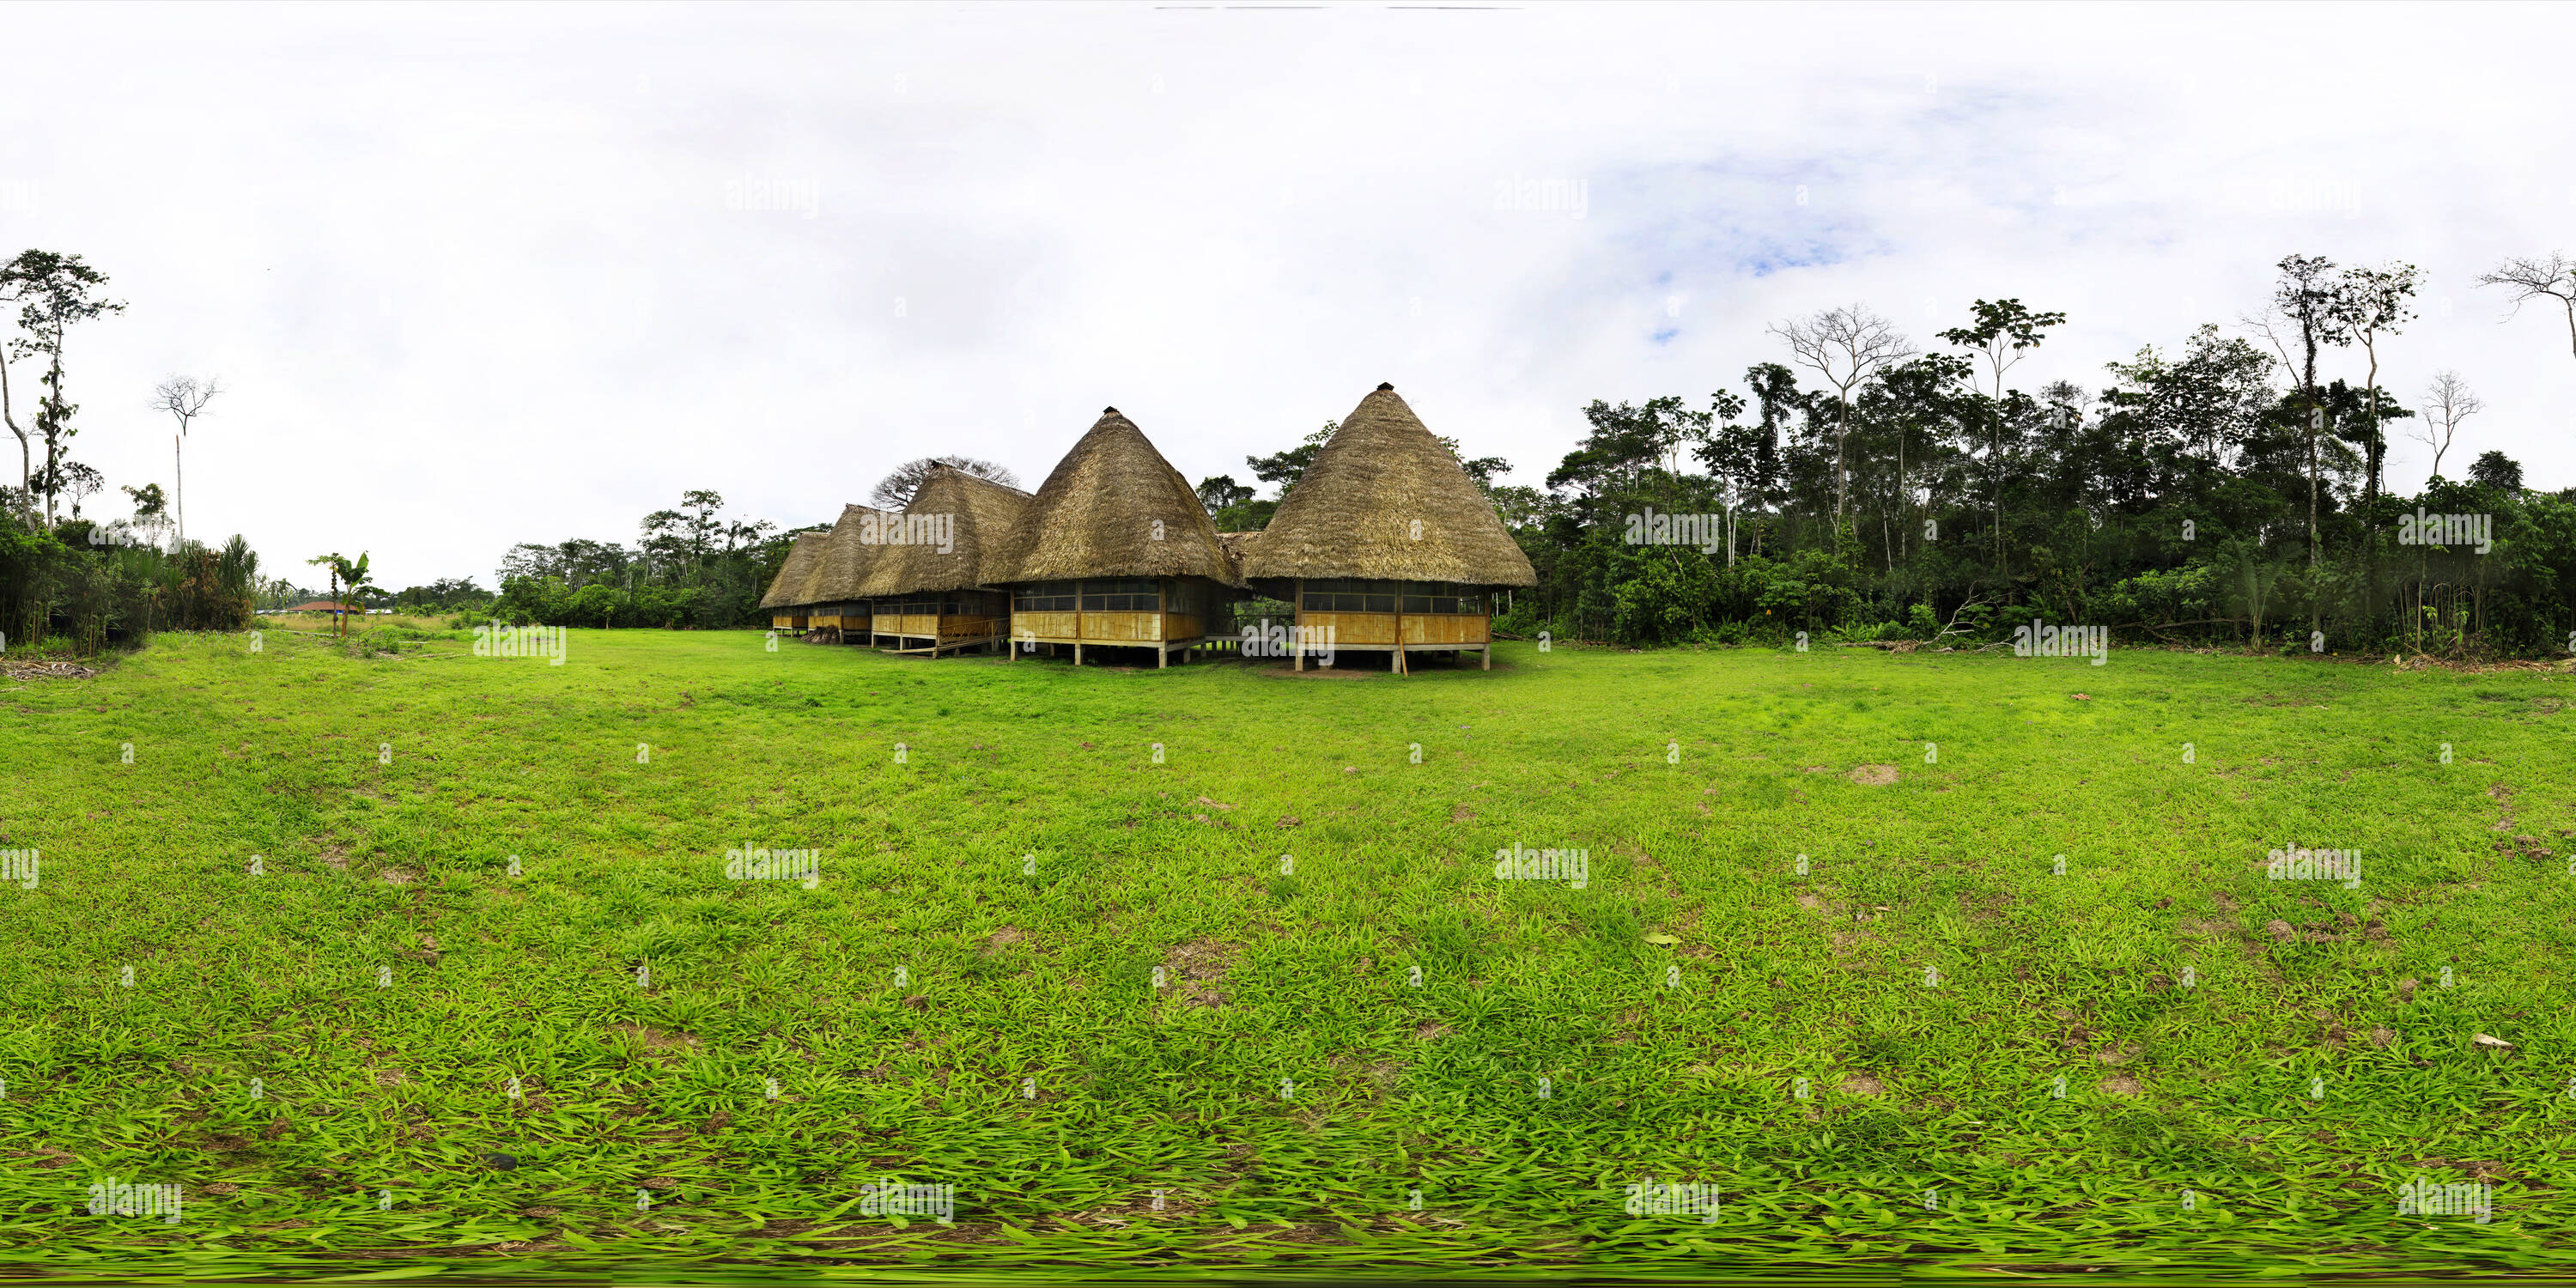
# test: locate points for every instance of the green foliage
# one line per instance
(2173, 506)
(527, 978)
(88, 585)
(694, 568)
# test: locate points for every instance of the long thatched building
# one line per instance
(785, 603)
(1382, 545)
(832, 590)
(1385, 544)
(1115, 550)
(938, 565)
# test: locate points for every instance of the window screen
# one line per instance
(1045, 597)
(1130, 596)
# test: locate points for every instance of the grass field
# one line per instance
(1089, 988)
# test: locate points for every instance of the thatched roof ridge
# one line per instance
(983, 516)
(1096, 515)
(790, 581)
(846, 560)
(1352, 513)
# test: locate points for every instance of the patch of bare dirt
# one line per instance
(658, 1040)
(1197, 968)
(1861, 1084)
(46, 671)
(2120, 1084)
(1874, 775)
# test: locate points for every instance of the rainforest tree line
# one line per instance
(2230, 489)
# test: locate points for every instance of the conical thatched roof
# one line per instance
(983, 516)
(847, 560)
(801, 557)
(1095, 515)
(1352, 513)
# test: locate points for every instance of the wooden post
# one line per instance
(1298, 645)
(1401, 668)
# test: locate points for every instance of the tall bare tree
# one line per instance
(2530, 279)
(2367, 304)
(185, 398)
(13, 289)
(2004, 333)
(2447, 402)
(1844, 345)
(894, 491)
(2301, 300)
(53, 292)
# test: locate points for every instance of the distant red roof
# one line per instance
(325, 606)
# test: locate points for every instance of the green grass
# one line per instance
(1028, 1058)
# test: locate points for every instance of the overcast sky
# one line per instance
(474, 275)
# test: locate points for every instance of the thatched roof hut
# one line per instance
(1114, 507)
(1351, 514)
(847, 558)
(973, 518)
(785, 589)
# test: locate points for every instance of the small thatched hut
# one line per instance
(832, 588)
(939, 563)
(1385, 544)
(1116, 550)
(785, 602)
